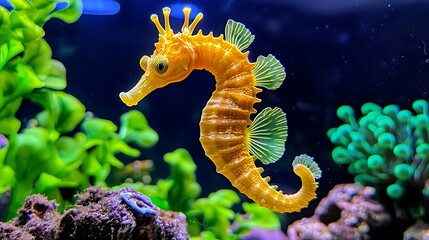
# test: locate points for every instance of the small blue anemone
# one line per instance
(139, 203)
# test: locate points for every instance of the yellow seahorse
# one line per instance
(228, 136)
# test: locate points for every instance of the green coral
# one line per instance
(387, 148)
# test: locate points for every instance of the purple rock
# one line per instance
(123, 214)
(3, 141)
(348, 212)
(264, 234)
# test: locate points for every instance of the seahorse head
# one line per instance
(172, 60)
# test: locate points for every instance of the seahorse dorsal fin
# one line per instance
(308, 161)
(269, 72)
(267, 135)
(237, 34)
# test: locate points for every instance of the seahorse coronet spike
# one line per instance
(186, 13)
(187, 27)
(229, 137)
(158, 25)
(168, 31)
(194, 23)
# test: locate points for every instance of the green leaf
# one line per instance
(63, 112)
(184, 189)
(24, 28)
(54, 75)
(91, 165)
(215, 211)
(47, 100)
(26, 81)
(20, 4)
(3, 152)
(98, 128)
(72, 112)
(260, 217)
(71, 13)
(4, 17)
(70, 150)
(112, 160)
(41, 15)
(9, 126)
(135, 128)
(46, 182)
(7, 180)
(207, 235)
(9, 109)
(28, 153)
(181, 160)
(9, 50)
(43, 3)
(38, 55)
(119, 146)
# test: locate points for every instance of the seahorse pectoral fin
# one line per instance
(267, 135)
(308, 161)
(269, 72)
(237, 34)
(137, 93)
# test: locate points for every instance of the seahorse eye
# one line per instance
(162, 67)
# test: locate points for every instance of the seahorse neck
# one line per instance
(220, 58)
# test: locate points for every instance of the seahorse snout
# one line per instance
(127, 99)
(139, 91)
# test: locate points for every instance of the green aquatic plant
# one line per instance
(47, 155)
(210, 217)
(387, 148)
(38, 161)
(28, 72)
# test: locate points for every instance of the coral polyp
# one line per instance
(387, 148)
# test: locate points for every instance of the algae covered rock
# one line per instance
(348, 212)
(97, 214)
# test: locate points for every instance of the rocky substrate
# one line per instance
(98, 214)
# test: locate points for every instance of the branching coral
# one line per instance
(387, 148)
